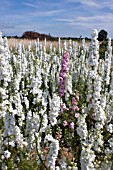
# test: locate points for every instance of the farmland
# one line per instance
(56, 105)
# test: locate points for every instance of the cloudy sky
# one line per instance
(73, 18)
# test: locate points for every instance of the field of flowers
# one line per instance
(56, 107)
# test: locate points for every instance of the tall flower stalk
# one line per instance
(63, 73)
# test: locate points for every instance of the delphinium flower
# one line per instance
(35, 47)
(109, 102)
(98, 115)
(108, 93)
(82, 127)
(16, 101)
(34, 85)
(29, 47)
(53, 78)
(93, 67)
(53, 152)
(32, 130)
(64, 47)
(75, 107)
(98, 101)
(7, 141)
(4, 62)
(37, 121)
(38, 42)
(63, 107)
(63, 164)
(83, 71)
(65, 123)
(54, 109)
(63, 73)
(74, 112)
(106, 164)
(93, 102)
(83, 53)
(44, 49)
(40, 52)
(59, 48)
(4, 101)
(108, 84)
(19, 138)
(26, 101)
(108, 56)
(87, 158)
(43, 113)
(24, 70)
(109, 128)
(101, 71)
(30, 122)
(19, 58)
(50, 49)
(76, 115)
(72, 125)
(74, 49)
(9, 125)
(7, 154)
(70, 47)
(93, 62)
(68, 86)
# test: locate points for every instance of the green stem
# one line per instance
(39, 154)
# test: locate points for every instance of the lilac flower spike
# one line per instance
(63, 73)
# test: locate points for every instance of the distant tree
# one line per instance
(102, 35)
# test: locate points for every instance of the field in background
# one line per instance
(13, 42)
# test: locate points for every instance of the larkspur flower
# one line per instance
(65, 123)
(7, 154)
(71, 125)
(76, 115)
(63, 72)
(74, 101)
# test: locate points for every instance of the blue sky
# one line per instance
(69, 18)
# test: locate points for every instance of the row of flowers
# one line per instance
(59, 106)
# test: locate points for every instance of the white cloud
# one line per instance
(87, 23)
(90, 3)
(108, 18)
(46, 13)
(29, 4)
(94, 3)
(38, 4)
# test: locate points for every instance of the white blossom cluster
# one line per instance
(82, 127)
(87, 158)
(53, 152)
(54, 109)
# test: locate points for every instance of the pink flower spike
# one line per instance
(77, 115)
(74, 101)
(75, 108)
(65, 123)
(71, 125)
(63, 72)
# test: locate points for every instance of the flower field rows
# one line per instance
(56, 108)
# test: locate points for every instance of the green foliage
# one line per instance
(102, 49)
(102, 35)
